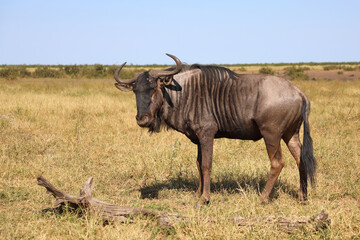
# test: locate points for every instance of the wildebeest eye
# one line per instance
(151, 80)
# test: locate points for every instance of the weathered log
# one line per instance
(85, 203)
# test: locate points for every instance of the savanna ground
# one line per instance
(71, 129)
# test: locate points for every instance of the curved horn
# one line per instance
(121, 81)
(163, 73)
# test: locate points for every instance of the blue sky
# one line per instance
(206, 32)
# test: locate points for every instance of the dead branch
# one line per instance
(289, 224)
(108, 212)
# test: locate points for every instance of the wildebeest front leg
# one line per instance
(206, 146)
(201, 178)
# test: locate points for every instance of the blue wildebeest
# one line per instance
(207, 102)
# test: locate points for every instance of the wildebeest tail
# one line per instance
(307, 156)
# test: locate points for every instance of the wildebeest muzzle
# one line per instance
(144, 120)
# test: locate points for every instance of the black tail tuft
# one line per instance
(307, 156)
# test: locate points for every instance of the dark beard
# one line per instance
(155, 125)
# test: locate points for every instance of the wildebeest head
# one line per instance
(147, 88)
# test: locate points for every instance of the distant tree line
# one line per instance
(12, 72)
(293, 71)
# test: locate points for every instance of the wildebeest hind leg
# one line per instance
(294, 146)
(277, 163)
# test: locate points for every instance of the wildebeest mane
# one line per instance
(215, 72)
(211, 72)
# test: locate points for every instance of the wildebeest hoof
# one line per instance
(205, 201)
(302, 201)
(198, 205)
(202, 204)
(302, 198)
(264, 201)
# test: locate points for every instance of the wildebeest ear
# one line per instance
(162, 81)
(124, 87)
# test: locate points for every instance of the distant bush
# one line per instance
(340, 72)
(294, 72)
(266, 70)
(242, 69)
(8, 73)
(14, 72)
(100, 70)
(46, 72)
(111, 69)
(72, 70)
(348, 68)
(331, 67)
(92, 71)
(339, 67)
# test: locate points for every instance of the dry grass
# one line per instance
(69, 130)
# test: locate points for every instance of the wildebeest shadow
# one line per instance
(227, 183)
